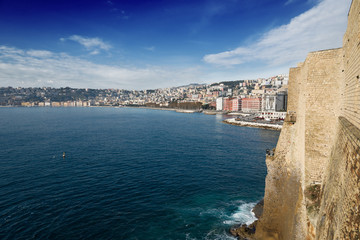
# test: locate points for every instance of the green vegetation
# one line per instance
(312, 194)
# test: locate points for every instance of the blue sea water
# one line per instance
(128, 174)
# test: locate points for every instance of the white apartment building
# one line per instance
(219, 104)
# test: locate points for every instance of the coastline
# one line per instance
(269, 126)
(231, 121)
(247, 231)
(169, 109)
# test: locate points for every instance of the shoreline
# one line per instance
(269, 126)
(247, 231)
(231, 121)
(169, 109)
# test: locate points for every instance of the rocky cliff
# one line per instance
(313, 182)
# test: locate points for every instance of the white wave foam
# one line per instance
(213, 236)
(212, 212)
(243, 215)
(223, 236)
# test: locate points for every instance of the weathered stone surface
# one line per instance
(313, 182)
(244, 232)
(258, 209)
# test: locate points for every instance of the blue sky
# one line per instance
(133, 44)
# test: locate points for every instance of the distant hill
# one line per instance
(230, 84)
(194, 85)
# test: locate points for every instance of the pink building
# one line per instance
(235, 104)
(231, 104)
(227, 104)
(251, 104)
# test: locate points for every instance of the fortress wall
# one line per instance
(322, 146)
(293, 89)
(339, 216)
(282, 218)
(321, 99)
(284, 215)
(304, 147)
(351, 45)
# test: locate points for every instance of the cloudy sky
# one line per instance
(132, 44)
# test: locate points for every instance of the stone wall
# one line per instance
(323, 77)
(304, 147)
(294, 89)
(351, 56)
(284, 214)
(339, 216)
(313, 183)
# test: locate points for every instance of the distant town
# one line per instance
(265, 96)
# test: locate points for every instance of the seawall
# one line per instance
(313, 183)
(269, 126)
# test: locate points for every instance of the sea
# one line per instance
(127, 173)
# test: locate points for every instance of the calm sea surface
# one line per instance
(128, 174)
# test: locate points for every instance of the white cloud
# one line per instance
(95, 52)
(39, 53)
(94, 45)
(151, 49)
(27, 69)
(321, 27)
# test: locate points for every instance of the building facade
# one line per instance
(251, 104)
(219, 104)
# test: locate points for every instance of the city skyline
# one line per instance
(206, 95)
(143, 45)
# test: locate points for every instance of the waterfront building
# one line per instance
(219, 104)
(268, 103)
(273, 115)
(274, 106)
(251, 104)
(281, 101)
(26, 104)
(235, 104)
(55, 104)
(227, 104)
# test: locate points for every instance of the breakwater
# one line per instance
(270, 126)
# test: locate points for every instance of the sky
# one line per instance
(132, 44)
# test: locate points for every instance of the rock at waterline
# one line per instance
(244, 232)
(258, 209)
